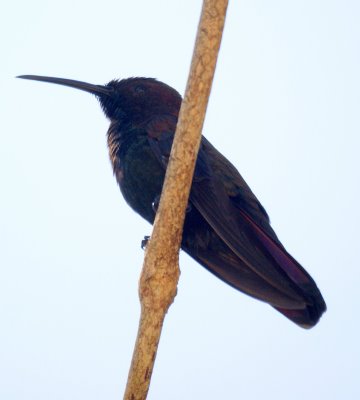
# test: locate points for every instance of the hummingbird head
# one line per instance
(134, 99)
(137, 99)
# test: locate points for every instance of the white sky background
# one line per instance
(284, 109)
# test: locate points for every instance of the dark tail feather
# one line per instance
(307, 317)
(315, 304)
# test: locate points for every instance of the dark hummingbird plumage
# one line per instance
(226, 228)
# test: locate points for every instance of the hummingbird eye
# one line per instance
(139, 89)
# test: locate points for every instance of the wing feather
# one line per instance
(255, 261)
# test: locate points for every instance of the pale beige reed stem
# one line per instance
(160, 273)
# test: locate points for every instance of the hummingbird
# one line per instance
(226, 229)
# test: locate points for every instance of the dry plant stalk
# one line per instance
(160, 274)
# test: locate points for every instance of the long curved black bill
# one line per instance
(97, 90)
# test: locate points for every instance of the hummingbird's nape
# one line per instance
(97, 90)
(226, 228)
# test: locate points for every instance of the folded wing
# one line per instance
(242, 249)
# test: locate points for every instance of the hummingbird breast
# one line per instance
(138, 172)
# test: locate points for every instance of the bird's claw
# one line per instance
(144, 242)
(156, 202)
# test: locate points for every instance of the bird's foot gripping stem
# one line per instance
(156, 202)
(144, 242)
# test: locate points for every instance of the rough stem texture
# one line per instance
(160, 274)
